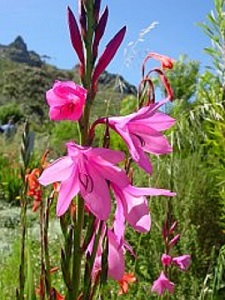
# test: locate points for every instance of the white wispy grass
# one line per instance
(132, 50)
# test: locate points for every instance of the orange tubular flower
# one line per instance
(166, 61)
(34, 188)
(124, 283)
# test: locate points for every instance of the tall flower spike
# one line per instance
(108, 54)
(75, 37)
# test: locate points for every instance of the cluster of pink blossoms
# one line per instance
(183, 262)
(94, 172)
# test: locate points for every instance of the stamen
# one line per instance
(87, 182)
(141, 140)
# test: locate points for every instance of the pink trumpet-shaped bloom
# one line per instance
(66, 100)
(88, 171)
(142, 133)
(132, 206)
(183, 261)
(116, 261)
(162, 284)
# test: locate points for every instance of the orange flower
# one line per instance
(34, 188)
(166, 61)
(125, 281)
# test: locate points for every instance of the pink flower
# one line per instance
(116, 261)
(166, 259)
(132, 206)
(183, 261)
(88, 171)
(162, 284)
(141, 132)
(66, 100)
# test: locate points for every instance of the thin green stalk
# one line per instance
(90, 263)
(46, 248)
(88, 44)
(77, 250)
(22, 249)
(26, 150)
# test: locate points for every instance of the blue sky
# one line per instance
(43, 25)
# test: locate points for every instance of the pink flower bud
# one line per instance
(175, 240)
(108, 54)
(166, 259)
(100, 29)
(173, 227)
(75, 36)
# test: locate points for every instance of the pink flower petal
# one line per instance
(67, 191)
(183, 261)
(137, 214)
(162, 284)
(109, 172)
(116, 263)
(112, 156)
(159, 121)
(95, 191)
(59, 170)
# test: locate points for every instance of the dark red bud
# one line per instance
(108, 54)
(97, 9)
(75, 36)
(82, 18)
(100, 29)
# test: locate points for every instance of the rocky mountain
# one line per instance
(25, 77)
(17, 51)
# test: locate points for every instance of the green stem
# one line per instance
(46, 249)
(88, 44)
(22, 248)
(90, 263)
(77, 250)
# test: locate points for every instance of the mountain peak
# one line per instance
(17, 51)
(19, 43)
